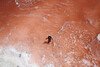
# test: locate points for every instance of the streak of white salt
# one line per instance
(10, 57)
(98, 37)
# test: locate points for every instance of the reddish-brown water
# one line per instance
(74, 26)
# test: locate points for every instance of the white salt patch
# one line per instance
(90, 21)
(86, 62)
(62, 28)
(95, 65)
(17, 3)
(49, 65)
(69, 58)
(36, 7)
(45, 19)
(10, 57)
(43, 58)
(98, 37)
(24, 3)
